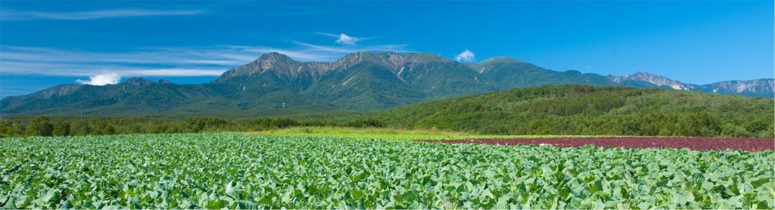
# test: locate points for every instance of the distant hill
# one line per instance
(579, 110)
(755, 88)
(275, 84)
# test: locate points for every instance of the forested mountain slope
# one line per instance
(578, 109)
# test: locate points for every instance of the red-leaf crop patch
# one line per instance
(693, 143)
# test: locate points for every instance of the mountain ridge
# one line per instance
(755, 87)
(275, 84)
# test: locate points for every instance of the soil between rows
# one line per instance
(693, 143)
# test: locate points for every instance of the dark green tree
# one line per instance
(40, 126)
(61, 129)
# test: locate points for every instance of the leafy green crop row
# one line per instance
(230, 170)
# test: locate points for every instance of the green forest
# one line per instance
(553, 109)
(587, 110)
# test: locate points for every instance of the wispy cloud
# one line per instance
(149, 62)
(88, 69)
(95, 14)
(161, 61)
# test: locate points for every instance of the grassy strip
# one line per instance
(391, 133)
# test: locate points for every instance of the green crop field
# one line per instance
(247, 171)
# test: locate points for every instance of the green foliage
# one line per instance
(547, 110)
(7, 129)
(40, 126)
(241, 171)
(44, 126)
(61, 129)
(587, 110)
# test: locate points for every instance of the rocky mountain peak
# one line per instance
(383, 58)
(274, 59)
(137, 81)
(646, 75)
(653, 79)
(391, 60)
(495, 63)
(738, 86)
(59, 90)
(268, 61)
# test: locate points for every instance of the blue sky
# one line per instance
(44, 43)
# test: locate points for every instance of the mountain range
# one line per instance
(275, 84)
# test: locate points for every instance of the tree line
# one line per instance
(560, 109)
(46, 126)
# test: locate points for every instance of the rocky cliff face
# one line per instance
(59, 90)
(756, 88)
(653, 79)
(284, 65)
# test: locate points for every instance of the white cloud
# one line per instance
(465, 56)
(101, 79)
(348, 40)
(88, 15)
(343, 38)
